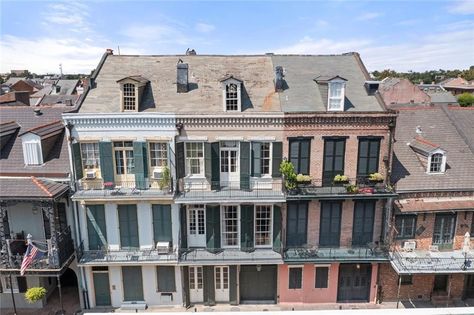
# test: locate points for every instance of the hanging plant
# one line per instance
(35, 294)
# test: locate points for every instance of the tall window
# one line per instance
(363, 223)
(261, 157)
(32, 153)
(194, 158)
(436, 163)
(129, 99)
(263, 225)
(124, 162)
(231, 97)
(230, 226)
(444, 230)
(336, 96)
(334, 151)
(158, 154)
(299, 155)
(128, 226)
(196, 224)
(265, 159)
(321, 280)
(166, 279)
(405, 226)
(90, 155)
(295, 277)
(330, 228)
(195, 278)
(368, 159)
(297, 219)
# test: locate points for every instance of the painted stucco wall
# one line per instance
(17, 215)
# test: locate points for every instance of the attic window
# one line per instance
(129, 97)
(231, 97)
(437, 163)
(336, 95)
(32, 153)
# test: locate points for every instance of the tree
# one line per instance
(466, 99)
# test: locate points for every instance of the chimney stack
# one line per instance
(109, 51)
(182, 77)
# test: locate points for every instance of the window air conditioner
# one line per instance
(163, 247)
(434, 248)
(158, 173)
(409, 246)
(90, 174)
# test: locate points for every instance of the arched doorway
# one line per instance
(69, 293)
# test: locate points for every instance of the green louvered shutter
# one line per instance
(256, 157)
(209, 292)
(213, 228)
(207, 161)
(277, 228)
(162, 223)
(215, 161)
(185, 276)
(139, 168)
(145, 159)
(183, 228)
(233, 285)
(180, 160)
(244, 165)
(76, 152)
(128, 225)
(246, 227)
(106, 162)
(277, 153)
(96, 226)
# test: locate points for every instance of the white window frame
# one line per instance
(164, 159)
(443, 162)
(32, 152)
(223, 232)
(302, 276)
(194, 208)
(86, 152)
(122, 150)
(331, 85)
(188, 160)
(270, 160)
(225, 85)
(270, 226)
(194, 272)
(127, 88)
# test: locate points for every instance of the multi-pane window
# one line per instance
(436, 163)
(231, 97)
(336, 96)
(406, 279)
(90, 155)
(228, 161)
(194, 158)
(222, 278)
(333, 163)
(129, 99)
(124, 162)
(230, 226)
(158, 154)
(444, 229)
(405, 226)
(295, 278)
(368, 159)
(321, 280)
(265, 159)
(195, 278)
(263, 225)
(196, 220)
(299, 155)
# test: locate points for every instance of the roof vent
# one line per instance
(38, 112)
(418, 130)
(190, 52)
(68, 102)
(279, 81)
(182, 77)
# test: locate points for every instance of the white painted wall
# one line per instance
(22, 218)
(145, 225)
(175, 223)
(112, 221)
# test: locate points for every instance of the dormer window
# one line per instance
(32, 152)
(437, 163)
(129, 97)
(38, 142)
(131, 90)
(336, 96)
(432, 157)
(232, 89)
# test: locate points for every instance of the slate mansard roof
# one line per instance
(257, 73)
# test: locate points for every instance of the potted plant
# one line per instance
(303, 179)
(376, 177)
(165, 179)
(35, 294)
(340, 180)
(352, 189)
(288, 171)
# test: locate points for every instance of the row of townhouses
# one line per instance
(170, 184)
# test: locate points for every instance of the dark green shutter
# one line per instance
(208, 161)
(180, 160)
(133, 288)
(215, 161)
(256, 157)
(185, 283)
(128, 225)
(76, 152)
(106, 162)
(139, 169)
(244, 165)
(233, 285)
(145, 159)
(277, 228)
(98, 215)
(209, 292)
(183, 228)
(213, 228)
(166, 279)
(246, 227)
(162, 223)
(277, 153)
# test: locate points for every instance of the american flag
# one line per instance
(32, 253)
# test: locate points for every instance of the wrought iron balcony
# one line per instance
(229, 255)
(54, 258)
(331, 254)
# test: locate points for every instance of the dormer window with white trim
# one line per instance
(232, 94)
(131, 91)
(336, 90)
(32, 153)
(437, 163)
(431, 155)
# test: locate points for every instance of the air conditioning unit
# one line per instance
(157, 173)
(409, 246)
(163, 247)
(90, 174)
(434, 248)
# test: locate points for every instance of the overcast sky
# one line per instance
(401, 35)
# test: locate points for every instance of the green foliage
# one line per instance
(376, 177)
(341, 178)
(35, 294)
(427, 76)
(303, 178)
(352, 189)
(288, 171)
(166, 179)
(466, 99)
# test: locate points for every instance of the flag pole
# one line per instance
(13, 295)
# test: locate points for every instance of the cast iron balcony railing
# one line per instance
(329, 254)
(98, 187)
(226, 255)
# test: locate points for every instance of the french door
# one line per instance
(229, 163)
(196, 292)
(196, 226)
(221, 276)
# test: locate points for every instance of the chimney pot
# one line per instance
(109, 51)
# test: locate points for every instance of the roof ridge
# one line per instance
(41, 186)
(42, 126)
(425, 141)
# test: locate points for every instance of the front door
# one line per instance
(469, 287)
(354, 282)
(101, 288)
(196, 294)
(229, 159)
(221, 277)
(258, 284)
(124, 163)
(196, 226)
(440, 284)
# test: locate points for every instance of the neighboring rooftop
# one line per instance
(30, 188)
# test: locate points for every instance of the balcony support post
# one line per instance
(398, 291)
(58, 277)
(48, 207)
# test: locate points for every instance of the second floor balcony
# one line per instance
(372, 252)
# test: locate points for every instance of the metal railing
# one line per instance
(426, 261)
(124, 187)
(308, 253)
(226, 254)
(133, 255)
